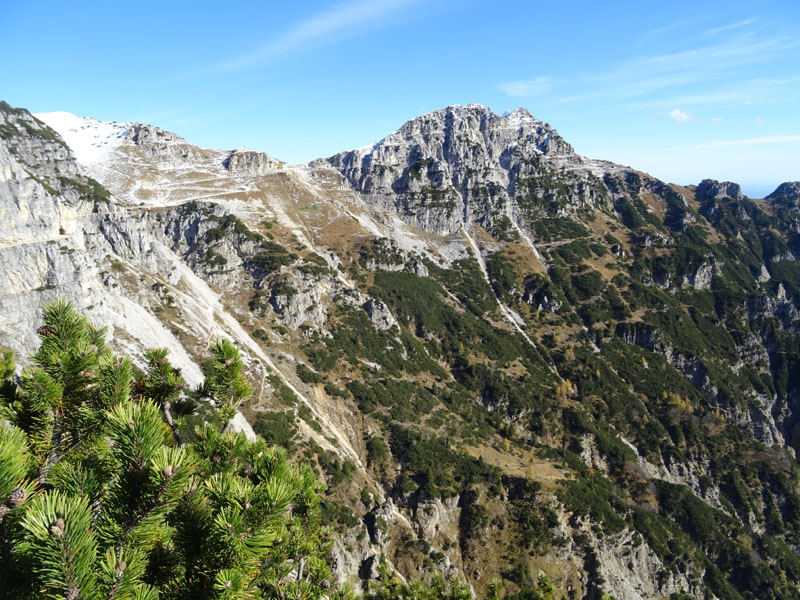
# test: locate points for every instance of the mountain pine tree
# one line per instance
(101, 500)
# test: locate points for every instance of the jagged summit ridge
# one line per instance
(460, 165)
(438, 132)
(711, 189)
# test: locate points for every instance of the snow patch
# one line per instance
(89, 139)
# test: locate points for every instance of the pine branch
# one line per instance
(166, 406)
(53, 457)
(127, 529)
(67, 552)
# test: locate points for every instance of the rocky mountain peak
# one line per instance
(475, 121)
(33, 141)
(711, 189)
(786, 194)
(433, 168)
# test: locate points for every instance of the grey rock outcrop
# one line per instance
(251, 163)
(155, 143)
(700, 278)
(711, 189)
(786, 194)
(379, 314)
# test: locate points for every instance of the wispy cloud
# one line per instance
(651, 35)
(341, 21)
(526, 87)
(691, 66)
(677, 115)
(759, 141)
(742, 91)
(704, 65)
(736, 25)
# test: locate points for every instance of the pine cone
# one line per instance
(325, 584)
(17, 498)
(57, 528)
(45, 330)
(3, 511)
(168, 471)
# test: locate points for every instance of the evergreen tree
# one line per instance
(162, 383)
(225, 381)
(101, 500)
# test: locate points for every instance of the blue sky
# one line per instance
(683, 90)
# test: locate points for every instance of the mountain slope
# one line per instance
(503, 356)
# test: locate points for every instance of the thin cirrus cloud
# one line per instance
(709, 65)
(736, 25)
(759, 141)
(524, 88)
(342, 21)
(750, 91)
(698, 65)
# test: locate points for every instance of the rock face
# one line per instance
(627, 567)
(463, 165)
(588, 365)
(298, 300)
(251, 163)
(711, 189)
(379, 314)
(162, 145)
(39, 178)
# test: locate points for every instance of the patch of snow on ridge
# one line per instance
(89, 139)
